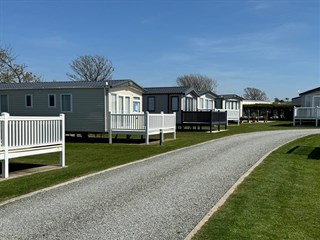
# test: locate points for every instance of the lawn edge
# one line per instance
(11, 200)
(225, 197)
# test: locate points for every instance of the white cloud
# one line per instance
(269, 43)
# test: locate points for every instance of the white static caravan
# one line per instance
(206, 101)
(85, 104)
(310, 106)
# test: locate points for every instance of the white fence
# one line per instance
(306, 113)
(232, 114)
(26, 136)
(144, 124)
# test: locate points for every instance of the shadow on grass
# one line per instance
(16, 166)
(310, 152)
(106, 140)
(315, 154)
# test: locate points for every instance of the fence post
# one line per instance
(317, 115)
(5, 163)
(294, 115)
(182, 119)
(109, 127)
(161, 137)
(147, 126)
(175, 129)
(62, 154)
(211, 113)
(238, 117)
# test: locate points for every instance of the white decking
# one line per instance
(306, 114)
(232, 114)
(144, 124)
(26, 136)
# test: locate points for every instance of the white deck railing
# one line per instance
(145, 124)
(127, 121)
(306, 113)
(232, 114)
(26, 136)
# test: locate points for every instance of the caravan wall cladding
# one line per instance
(83, 108)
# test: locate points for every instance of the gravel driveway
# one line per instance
(161, 198)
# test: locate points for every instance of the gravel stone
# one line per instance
(161, 198)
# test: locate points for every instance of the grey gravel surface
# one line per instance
(161, 198)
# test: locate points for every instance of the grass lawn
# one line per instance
(84, 158)
(279, 200)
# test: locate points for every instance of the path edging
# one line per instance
(225, 197)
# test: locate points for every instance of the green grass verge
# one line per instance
(279, 200)
(86, 158)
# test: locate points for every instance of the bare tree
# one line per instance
(254, 94)
(11, 72)
(91, 68)
(198, 82)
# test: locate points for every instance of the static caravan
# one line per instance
(169, 100)
(206, 101)
(310, 107)
(85, 104)
(232, 103)
(310, 98)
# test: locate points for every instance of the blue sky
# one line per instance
(273, 45)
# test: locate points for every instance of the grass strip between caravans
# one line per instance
(279, 200)
(83, 158)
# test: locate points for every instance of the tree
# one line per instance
(198, 82)
(254, 94)
(11, 72)
(91, 68)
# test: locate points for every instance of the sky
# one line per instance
(272, 45)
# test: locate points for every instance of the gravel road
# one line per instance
(161, 198)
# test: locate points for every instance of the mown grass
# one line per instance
(279, 200)
(85, 158)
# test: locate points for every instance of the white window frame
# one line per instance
(61, 102)
(127, 104)
(26, 101)
(190, 104)
(201, 103)
(136, 100)
(55, 100)
(114, 104)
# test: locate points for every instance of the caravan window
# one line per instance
(316, 101)
(127, 105)
(28, 101)
(189, 104)
(51, 100)
(113, 103)
(174, 104)
(136, 104)
(4, 103)
(66, 103)
(151, 106)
